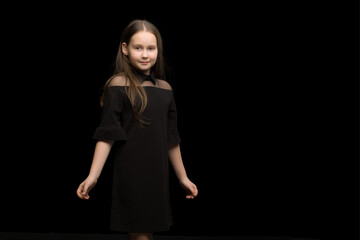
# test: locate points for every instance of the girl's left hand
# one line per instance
(190, 188)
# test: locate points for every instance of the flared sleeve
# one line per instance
(110, 127)
(172, 132)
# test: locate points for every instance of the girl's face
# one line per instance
(142, 51)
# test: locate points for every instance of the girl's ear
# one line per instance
(124, 49)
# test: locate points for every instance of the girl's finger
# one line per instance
(79, 190)
(84, 190)
(194, 190)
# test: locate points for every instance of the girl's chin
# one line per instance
(143, 68)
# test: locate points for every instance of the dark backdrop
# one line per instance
(268, 132)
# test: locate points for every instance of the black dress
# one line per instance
(140, 197)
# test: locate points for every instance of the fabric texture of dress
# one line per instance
(140, 192)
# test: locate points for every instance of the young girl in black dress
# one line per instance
(139, 124)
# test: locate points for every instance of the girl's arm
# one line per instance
(178, 166)
(102, 150)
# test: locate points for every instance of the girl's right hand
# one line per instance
(85, 187)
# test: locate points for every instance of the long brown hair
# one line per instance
(135, 91)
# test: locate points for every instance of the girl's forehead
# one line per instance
(143, 37)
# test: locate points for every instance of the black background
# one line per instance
(267, 100)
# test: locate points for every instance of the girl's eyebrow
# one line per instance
(139, 44)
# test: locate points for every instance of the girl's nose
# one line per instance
(144, 54)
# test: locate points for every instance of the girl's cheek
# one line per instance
(154, 56)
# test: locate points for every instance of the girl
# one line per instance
(139, 124)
